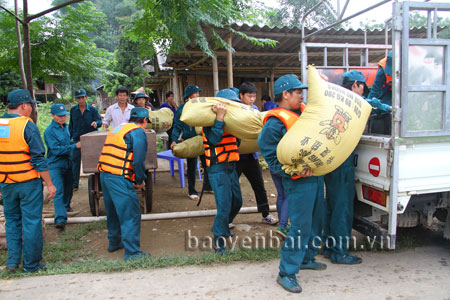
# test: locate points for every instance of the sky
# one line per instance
(379, 14)
(39, 5)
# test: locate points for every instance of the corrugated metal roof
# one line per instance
(284, 57)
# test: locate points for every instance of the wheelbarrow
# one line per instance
(91, 148)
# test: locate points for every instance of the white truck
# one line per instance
(403, 179)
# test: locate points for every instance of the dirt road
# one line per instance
(421, 273)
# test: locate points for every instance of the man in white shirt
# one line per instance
(118, 113)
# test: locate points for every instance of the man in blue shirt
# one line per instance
(59, 147)
(122, 170)
(267, 103)
(380, 121)
(84, 118)
(23, 169)
(340, 190)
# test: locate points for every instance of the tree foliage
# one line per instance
(127, 67)
(291, 13)
(61, 45)
(107, 34)
(415, 20)
(171, 25)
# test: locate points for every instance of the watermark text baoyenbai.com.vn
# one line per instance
(270, 239)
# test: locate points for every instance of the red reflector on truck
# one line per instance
(374, 195)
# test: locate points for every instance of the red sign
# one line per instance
(374, 166)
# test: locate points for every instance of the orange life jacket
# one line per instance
(114, 158)
(287, 117)
(388, 83)
(284, 115)
(226, 150)
(15, 159)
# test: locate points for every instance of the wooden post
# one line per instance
(272, 80)
(176, 92)
(215, 75)
(230, 62)
(27, 62)
(19, 41)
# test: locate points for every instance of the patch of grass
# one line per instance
(60, 255)
(67, 246)
(94, 265)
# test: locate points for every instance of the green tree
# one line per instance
(107, 33)
(415, 20)
(419, 20)
(62, 47)
(291, 13)
(9, 80)
(126, 67)
(170, 25)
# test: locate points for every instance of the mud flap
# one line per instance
(371, 229)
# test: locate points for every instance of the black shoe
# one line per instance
(69, 209)
(60, 225)
(75, 189)
(114, 249)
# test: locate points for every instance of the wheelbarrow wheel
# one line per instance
(148, 193)
(91, 194)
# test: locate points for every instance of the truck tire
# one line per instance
(441, 214)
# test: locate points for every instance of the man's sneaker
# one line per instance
(289, 283)
(313, 265)
(60, 226)
(69, 209)
(75, 189)
(193, 197)
(220, 250)
(282, 231)
(38, 268)
(269, 219)
(231, 225)
(208, 191)
(138, 255)
(347, 259)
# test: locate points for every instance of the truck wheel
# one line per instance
(441, 214)
(91, 194)
(148, 193)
